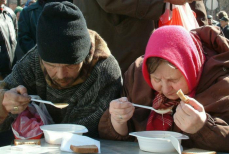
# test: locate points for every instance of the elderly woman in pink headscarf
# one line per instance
(195, 62)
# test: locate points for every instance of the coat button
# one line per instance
(224, 69)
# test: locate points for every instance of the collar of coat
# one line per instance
(99, 51)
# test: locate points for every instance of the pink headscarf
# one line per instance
(180, 48)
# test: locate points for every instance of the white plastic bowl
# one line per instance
(54, 133)
(157, 141)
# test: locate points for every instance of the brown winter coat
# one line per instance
(127, 25)
(212, 92)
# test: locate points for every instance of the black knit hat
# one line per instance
(62, 34)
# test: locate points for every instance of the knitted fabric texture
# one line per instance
(87, 101)
(157, 121)
(62, 34)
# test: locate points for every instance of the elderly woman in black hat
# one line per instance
(69, 64)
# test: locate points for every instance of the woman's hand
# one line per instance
(190, 118)
(16, 100)
(180, 2)
(121, 111)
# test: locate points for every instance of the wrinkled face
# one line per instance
(3, 2)
(168, 80)
(63, 75)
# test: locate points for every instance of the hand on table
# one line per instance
(180, 2)
(16, 100)
(190, 117)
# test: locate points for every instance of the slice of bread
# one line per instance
(85, 149)
(182, 96)
(197, 151)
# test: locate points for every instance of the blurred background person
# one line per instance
(224, 24)
(18, 52)
(29, 2)
(23, 5)
(17, 11)
(28, 24)
(8, 31)
(127, 25)
(220, 15)
(211, 21)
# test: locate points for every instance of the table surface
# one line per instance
(107, 147)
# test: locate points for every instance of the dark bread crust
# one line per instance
(85, 149)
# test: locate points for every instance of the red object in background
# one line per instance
(179, 15)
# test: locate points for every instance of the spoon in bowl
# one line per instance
(160, 111)
(57, 105)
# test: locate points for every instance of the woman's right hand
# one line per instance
(121, 111)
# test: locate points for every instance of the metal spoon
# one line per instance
(57, 105)
(160, 111)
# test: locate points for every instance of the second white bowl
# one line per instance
(54, 133)
(157, 141)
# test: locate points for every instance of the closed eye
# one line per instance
(156, 80)
(173, 80)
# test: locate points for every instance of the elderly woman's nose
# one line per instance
(166, 88)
